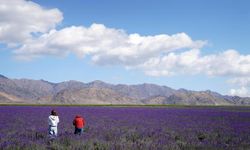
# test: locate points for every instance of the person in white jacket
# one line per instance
(53, 121)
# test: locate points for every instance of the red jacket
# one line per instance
(79, 122)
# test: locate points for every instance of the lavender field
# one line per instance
(25, 127)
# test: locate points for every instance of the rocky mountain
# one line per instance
(98, 92)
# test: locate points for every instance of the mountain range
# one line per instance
(97, 92)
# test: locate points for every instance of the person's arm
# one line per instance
(74, 122)
(49, 121)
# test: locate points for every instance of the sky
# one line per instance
(193, 44)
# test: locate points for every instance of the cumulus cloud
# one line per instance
(241, 81)
(243, 91)
(105, 45)
(21, 19)
(227, 63)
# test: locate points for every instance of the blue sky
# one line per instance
(197, 45)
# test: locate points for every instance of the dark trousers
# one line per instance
(78, 130)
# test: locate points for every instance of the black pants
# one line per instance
(78, 130)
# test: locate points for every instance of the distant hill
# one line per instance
(98, 92)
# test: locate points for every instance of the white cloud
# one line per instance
(244, 83)
(227, 63)
(243, 92)
(241, 81)
(20, 19)
(105, 45)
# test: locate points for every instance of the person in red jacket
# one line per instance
(79, 123)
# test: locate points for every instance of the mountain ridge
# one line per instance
(99, 92)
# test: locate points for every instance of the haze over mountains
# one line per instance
(98, 92)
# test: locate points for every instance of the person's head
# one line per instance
(78, 116)
(53, 112)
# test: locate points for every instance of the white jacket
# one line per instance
(53, 120)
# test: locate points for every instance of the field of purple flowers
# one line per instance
(25, 127)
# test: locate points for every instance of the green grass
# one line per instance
(128, 105)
